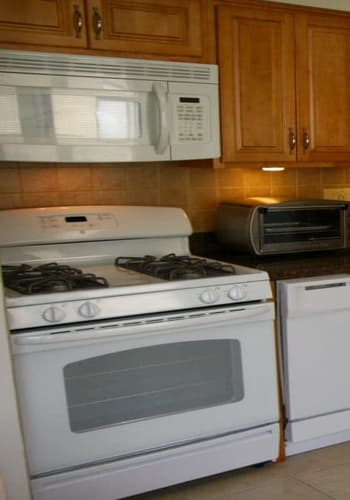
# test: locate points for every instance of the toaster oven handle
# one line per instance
(163, 137)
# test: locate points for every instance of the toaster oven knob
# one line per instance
(209, 296)
(53, 314)
(237, 292)
(88, 310)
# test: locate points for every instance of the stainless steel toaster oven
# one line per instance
(266, 226)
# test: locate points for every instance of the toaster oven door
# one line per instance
(298, 229)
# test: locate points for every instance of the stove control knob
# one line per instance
(88, 310)
(53, 314)
(209, 296)
(237, 292)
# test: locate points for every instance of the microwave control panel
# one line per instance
(192, 119)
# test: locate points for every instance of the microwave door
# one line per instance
(49, 118)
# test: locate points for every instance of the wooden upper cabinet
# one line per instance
(323, 86)
(174, 29)
(257, 76)
(43, 22)
(161, 27)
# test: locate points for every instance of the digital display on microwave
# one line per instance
(190, 99)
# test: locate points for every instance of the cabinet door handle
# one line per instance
(292, 141)
(77, 21)
(97, 23)
(306, 139)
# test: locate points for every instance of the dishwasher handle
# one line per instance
(146, 327)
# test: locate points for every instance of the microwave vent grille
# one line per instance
(104, 67)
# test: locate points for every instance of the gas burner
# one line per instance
(50, 277)
(175, 267)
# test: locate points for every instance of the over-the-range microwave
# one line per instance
(75, 108)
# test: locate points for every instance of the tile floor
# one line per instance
(317, 475)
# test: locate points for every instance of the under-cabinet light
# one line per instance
(273, 169)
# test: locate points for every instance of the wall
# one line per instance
(195, 188)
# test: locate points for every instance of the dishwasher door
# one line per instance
(314, 320)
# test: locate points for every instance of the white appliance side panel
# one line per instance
(157, 470)
(45, 418)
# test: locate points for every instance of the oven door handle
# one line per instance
(182, 320)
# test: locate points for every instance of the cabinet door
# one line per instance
(160, 27)
(256, 55)
(58, 23)
(323, 86)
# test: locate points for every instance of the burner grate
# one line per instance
(50, 277)
(175, 267)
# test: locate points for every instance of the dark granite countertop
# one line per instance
(278, 266)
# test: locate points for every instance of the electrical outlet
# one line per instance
(336, 194)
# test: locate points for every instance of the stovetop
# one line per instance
(162, 276)
(131, 292)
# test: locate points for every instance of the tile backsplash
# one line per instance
(190, 185)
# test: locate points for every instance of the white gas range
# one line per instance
(137, 373)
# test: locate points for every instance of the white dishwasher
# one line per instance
(314, 326)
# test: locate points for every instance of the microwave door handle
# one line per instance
(163, 137)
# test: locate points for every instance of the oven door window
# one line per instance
(154, 381)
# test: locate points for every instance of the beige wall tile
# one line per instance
(38, 179)
(73, 178)
(142, 177)
(13, 200)
(308, 176)
(309, 192)
(230, 177)
(203, 220)
(112, 197)
(257, 178)
(331, 176)
(142, 197)
(231, 194)
(287, 177)
(174, 197)
(280, 191)
(76, 198)
(202, 178)
(203, 199)
(48, 199)
(253, 191)
(106, 178)
(174, 178)
(9, 180)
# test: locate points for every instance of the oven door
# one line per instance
(97, 392)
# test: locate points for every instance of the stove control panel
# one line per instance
(101, 304)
